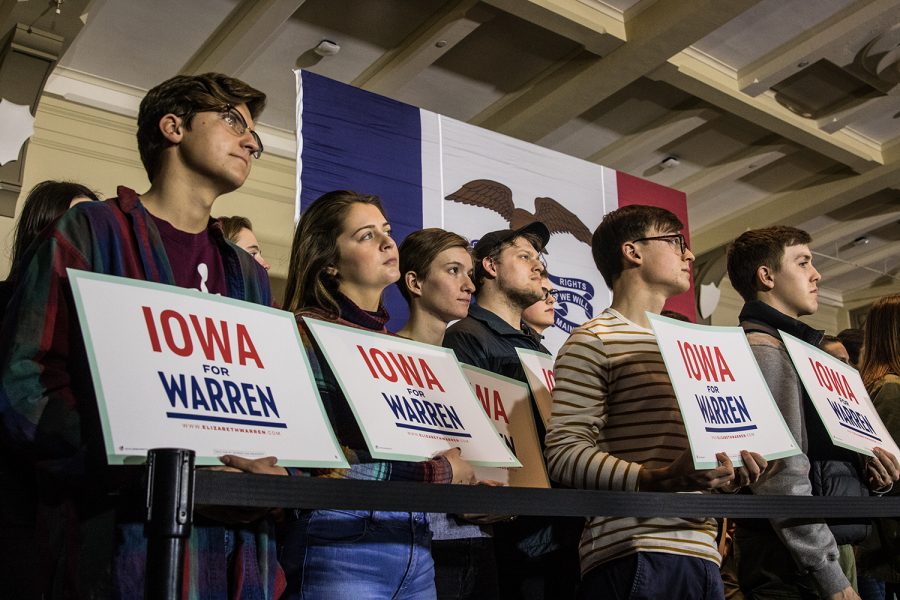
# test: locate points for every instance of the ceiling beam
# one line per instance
(6, 9)
(867, 295)
(586, 22)
(869, 109)
(734, 167)
(853, 227)
(815, 43)
(653, 36)
(891, 150)
(637, 146)
(863, 260)
(423, 47)
(567, 67)
(793, 207)
(242, 36)
(690, 73)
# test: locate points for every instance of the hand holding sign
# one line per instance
(260, 466)
(681, 476)
(882, 470)
(463, 472)
(236, 464)
(754, 466)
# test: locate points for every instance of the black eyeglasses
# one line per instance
(549, 293)
(235, 121)
(672, 237)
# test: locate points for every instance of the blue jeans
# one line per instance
(652, 575)
(358, 555)
(870, 588)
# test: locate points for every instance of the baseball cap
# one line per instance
(491, 241)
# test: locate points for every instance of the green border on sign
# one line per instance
(536, 353)
(375, 452)
(114, 458)
(737, 461)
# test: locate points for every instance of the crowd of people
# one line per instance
(69, 530)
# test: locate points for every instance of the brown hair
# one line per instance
(627, 224)
(480, 273)
(184, 96)
(852, 339)
(232, 226)
(45, 203)
(419, 250)
(315, 248)
(881, 345)
(756, 248)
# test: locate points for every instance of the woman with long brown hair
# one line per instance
(342, 258)
(880, 369)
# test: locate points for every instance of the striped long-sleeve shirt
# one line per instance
(615, 412)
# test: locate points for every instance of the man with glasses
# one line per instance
(196, 141)
(616, 423)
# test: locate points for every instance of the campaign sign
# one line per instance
(411, 400)
(840, 398)
(507, 403)
(725, 403)
(538, 369)
(179, 368)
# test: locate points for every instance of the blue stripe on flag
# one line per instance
(360, 141)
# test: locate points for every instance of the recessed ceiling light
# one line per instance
(327, 48)
(670, 162)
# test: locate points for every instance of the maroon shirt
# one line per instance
(196, 262)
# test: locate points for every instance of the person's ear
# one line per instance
(171, 126)
(413, 284)
(331, 271)
(631, 254)
(489, 265)
(765, 276)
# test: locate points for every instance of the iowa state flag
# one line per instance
(433, 171)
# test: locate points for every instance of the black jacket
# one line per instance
(834, 471)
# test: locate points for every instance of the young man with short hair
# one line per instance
(508, 271)
(772, 269)
(535, 557)
(616, 423)
(541, 315)
(835, 347)
(196, 140)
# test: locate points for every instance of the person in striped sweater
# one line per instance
(616, 423)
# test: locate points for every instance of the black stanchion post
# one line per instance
(170, 505)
